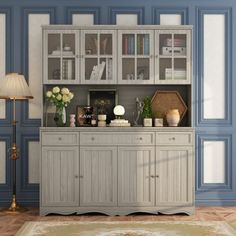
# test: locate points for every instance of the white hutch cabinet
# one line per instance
(117, 171)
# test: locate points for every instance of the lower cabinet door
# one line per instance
(98, 176)
(136, 176)
(59, 176)
(175, 171)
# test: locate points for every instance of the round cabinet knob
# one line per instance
(173, 138)
(92, 138)
(81, 176)
(140, 138)
(59, 138)
(152, 176)
(76, 176)
(157, 176)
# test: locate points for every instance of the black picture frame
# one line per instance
(110, 98)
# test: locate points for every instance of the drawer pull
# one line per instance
(157, 176)
(81, 176)
(59, 138)
(140, 138)
(92, 138)
(152, 176)
(76, 176)
(173, 138)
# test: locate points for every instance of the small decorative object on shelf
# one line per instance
(147, 112)
(72, 120)
(138, 112)
(60, 98)
(158, 122)
(102, 120)
(119, 111)
(173, 117)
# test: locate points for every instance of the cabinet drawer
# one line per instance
(170, 138)
(60, 138)
(116, 138)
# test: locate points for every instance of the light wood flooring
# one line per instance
(11, 222)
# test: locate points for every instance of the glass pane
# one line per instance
(68, 69)
(128, 69)
(142, 69)
(54, 44)
(180, 69)
(54, 72)
(91, 44)
(165, 44)
(143, 44)
(128, 44)
(106, 44)
(68, 44)
(165, 69)
(91, 69)
(107, 73)
(180, 44)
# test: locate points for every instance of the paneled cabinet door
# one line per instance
(98, 176)
(60, 176)
(98, 57)
(174, 168)
(61, 58)
(135, 57)
(136, 176)
(173, 56)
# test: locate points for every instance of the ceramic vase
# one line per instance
(72, 120)
(173, 117)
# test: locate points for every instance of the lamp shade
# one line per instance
(14, 86)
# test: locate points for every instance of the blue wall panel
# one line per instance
(148, 12)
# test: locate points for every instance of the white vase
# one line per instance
(173, 117)
(147, 122)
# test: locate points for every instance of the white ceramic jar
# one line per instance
(173, 117)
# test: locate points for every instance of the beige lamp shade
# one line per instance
(14, 86)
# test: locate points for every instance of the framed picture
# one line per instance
(84, 115)
(103, 101)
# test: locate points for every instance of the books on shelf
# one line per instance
(168, 42)
(178, 74)
(128, 44)
(97, 71)
(143, 44)
(67, 69)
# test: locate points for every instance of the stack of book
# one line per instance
(119, 123)
(176, 46)
(67, 69)
(178, 74)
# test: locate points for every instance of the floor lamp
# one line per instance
(14, 87)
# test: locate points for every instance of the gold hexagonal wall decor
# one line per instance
(163, 101)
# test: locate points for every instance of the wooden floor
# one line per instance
(10, 223)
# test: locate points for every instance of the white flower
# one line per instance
(70, 95)
(49, 94)
(65, 91)
(59, 97)
(65, 98)
(56, 90)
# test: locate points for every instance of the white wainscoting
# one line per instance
(170, 19)
(82, 19)
(214, 162)
(214, 66)
(2, 60)
(3, 162)
(126, 19)
(35, 62)
(33, 160)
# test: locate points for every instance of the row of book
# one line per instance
(169, 42)
(142, 44)
(99, 70)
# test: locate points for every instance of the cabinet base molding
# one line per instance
(117, 211)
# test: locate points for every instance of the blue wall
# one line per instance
(148, 12)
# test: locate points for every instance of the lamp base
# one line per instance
(14, 207)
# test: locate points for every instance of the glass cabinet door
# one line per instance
(173, 50)
(61, 57)
(98, 59)
(135, 57)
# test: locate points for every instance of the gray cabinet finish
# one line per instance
(60, 170)
(136, 170)
(117, 171)
(98, 176)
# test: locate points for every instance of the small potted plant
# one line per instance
(159, 119)
(147, 112)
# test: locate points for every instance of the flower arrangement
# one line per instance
(59, 97)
